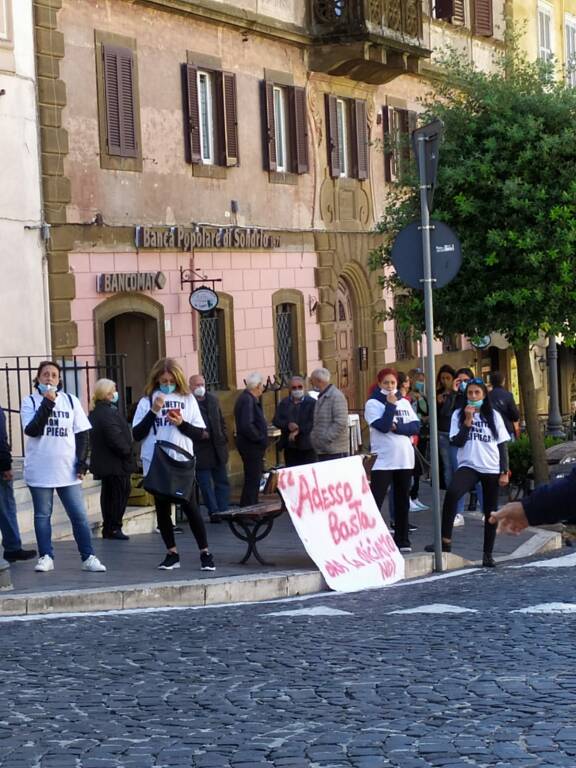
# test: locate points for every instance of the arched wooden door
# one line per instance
(345, 344)
(135, 335)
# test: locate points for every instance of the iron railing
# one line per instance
(79, 374)
(353, 17)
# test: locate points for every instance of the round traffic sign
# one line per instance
(407, 255)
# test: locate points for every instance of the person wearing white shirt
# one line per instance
(479, 434)
(392, 423)
(168, 411)
(56, 430)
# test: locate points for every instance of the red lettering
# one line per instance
(304, 497)
(347, 492)
(365, 486)
(333, 568)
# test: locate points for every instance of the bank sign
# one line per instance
(201, 236)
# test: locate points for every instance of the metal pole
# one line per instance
(430, 367)
(554, 426)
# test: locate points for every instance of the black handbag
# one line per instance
(170, 477)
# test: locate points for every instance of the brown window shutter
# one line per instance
(298, 129)
(270, 156)
(443, 9)
(458, 16)
(332, 136)
(482, 18)
(192, 145)
(120, 101)
(388, 146)
(227, 116)
(403, 143)
(361, 139)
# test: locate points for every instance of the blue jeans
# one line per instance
(215, 488)
(11, 540)
(73, 502)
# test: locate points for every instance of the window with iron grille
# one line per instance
(212, 362)
(451, 343)
(285, 341)
(403, 341)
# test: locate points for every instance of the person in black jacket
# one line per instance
(212, 452)
(251, 437)
(111, 458)
(546, 505)
(295, 417)
(503, 402)
(11, 540)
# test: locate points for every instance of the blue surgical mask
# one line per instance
(43, 388)
(114, 398)
(475, 403)
(419, 386)
(463, 385)
(167, 389)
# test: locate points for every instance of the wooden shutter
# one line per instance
(444, 9)
(332, 136)
(120, 101)
(482, 18)
(192, 144)
(388, 146)
(361, 139)
(227, 117)
(270, 156)
(298, 129)
(458, 16)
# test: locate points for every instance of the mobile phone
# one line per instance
(173, 412)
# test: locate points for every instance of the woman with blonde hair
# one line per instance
(168, 411)
(111, 458)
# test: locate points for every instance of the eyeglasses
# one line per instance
(299, 386)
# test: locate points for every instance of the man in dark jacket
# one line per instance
(111, 458)
(503, 402)
(211, 453)
(295, 417)
(251, 437)
(11, 540)
(546, 505)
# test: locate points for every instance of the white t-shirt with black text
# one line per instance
(393, 451)
(50, 459)
(480, 451)
(187, 404)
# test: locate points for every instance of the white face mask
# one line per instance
(298, 394)
(200, 391)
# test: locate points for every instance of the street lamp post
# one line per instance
(554, 426)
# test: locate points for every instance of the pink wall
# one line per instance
(251, 278)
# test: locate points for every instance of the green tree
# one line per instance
(507, 186)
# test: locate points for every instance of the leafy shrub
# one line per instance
(521, 456)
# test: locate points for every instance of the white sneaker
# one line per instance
(458, 520)
(44, 564)
(420, 505)
(414, 506)
(93, 564)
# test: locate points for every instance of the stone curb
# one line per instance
(236, 589)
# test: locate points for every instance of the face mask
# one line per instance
(297, 394)
(200, 391)
(167, 389)
(114, 397)
(419, 386)
(476, 403)
(387, 391)
(463, 385)
(43, 388)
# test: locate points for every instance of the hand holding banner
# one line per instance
(335, 515)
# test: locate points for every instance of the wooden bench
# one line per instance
(252, 524)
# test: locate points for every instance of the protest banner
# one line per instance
(336, 517)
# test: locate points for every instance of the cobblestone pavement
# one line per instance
(347, 683)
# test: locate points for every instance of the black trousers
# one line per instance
(295, 458)
(114, 493)
(463, 481)
(253, 461)
(401, 479)
(192, 512)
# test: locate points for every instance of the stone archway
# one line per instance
(132, 325)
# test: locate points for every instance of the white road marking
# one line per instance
(548, 608)
(436, 577)
(319, 610)
(567, 561)
(436, 608)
